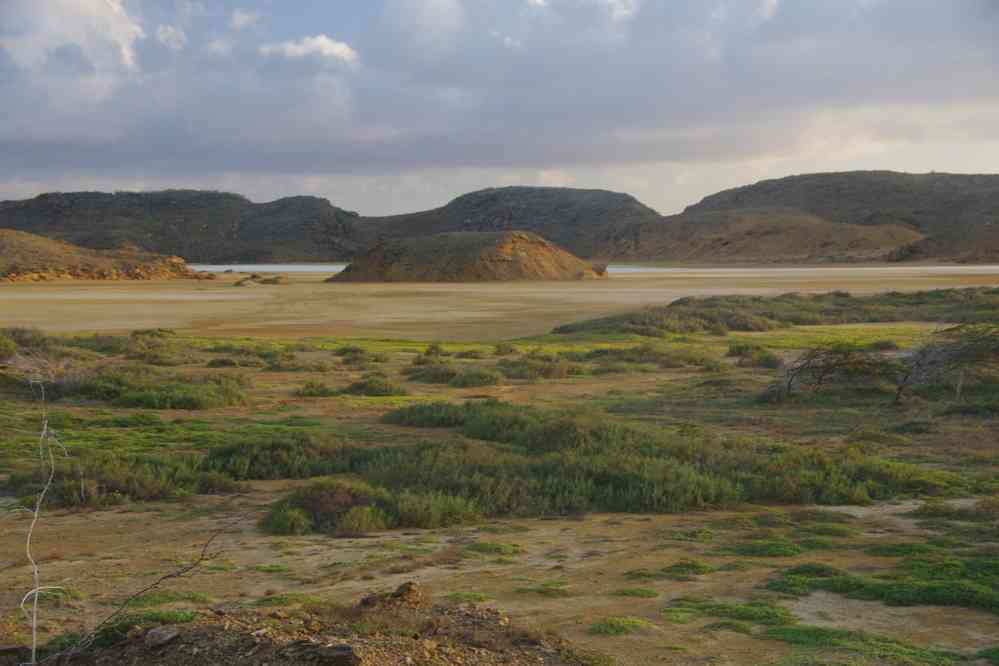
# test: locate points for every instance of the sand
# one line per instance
(306, 306)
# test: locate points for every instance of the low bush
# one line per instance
(7, 347)
(473, 377)
(720, 314)
(944, 580)
(433, 372)
(291, 456)
(345, 507)
(375, 384)
(97, 480)
(284, 520)
(533, 367)
(315, 390)
(503, 349)
(149, 388)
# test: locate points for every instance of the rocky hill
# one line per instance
(851, 216)
(756, 236)
(25, 257)
(957, 215)
(467, 257)
(200, 226)
(571, 218)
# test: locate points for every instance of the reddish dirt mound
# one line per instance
(26, 257)
(467, 257)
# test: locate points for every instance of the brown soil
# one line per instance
(25, 257)
(483, 311)
(467, 257)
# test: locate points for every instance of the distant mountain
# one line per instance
(851, 216)
(197, 225)
(571, 218)
(957, 215)
(766, 235)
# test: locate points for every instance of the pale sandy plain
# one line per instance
(306, 306)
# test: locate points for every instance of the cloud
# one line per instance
(242, 18)
(171, 37)
(622, 10)
(318, 45)
(102, 29)
(220, 46)
(767, 9)
(669, 99)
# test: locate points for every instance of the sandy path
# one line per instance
(307, 306)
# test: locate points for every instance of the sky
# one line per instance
(388, 106)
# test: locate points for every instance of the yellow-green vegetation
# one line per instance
(474, 440)
(619, 625)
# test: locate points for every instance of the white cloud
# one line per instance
(434, 17)
(220, 46)
(242, 18)
(623, 10)
(171, 37)
(320, 45)
(538, 3)
(767, 9)
(102, 29)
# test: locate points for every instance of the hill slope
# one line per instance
(571, 218)
(850, 216)
(755, 235)
(199, 226)
(25, 256)
(957, 214)
(466, 257)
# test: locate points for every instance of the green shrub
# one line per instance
(428, 415)
(969, 582)
(503, 349)
(28, 338)
(756, 611)
(719, 314)
(618, 626)
(436, 372)
(313, 389)
(534, 367)
(435, 509)
(148, 388)
(284, 520)
(359, 520)
(7, 348)
(471, 377)
(775, 547)
(375, 384)
(100, 479)
(281, 456)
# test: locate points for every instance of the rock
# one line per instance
(160, 636)
(467, 257)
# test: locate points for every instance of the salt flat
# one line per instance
(305, 305)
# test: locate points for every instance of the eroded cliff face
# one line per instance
(468, 257)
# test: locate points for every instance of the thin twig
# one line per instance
(203, 556)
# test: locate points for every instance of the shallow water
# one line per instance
(626, 269)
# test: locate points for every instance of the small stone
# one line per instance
(339, 655)
(160, 636)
